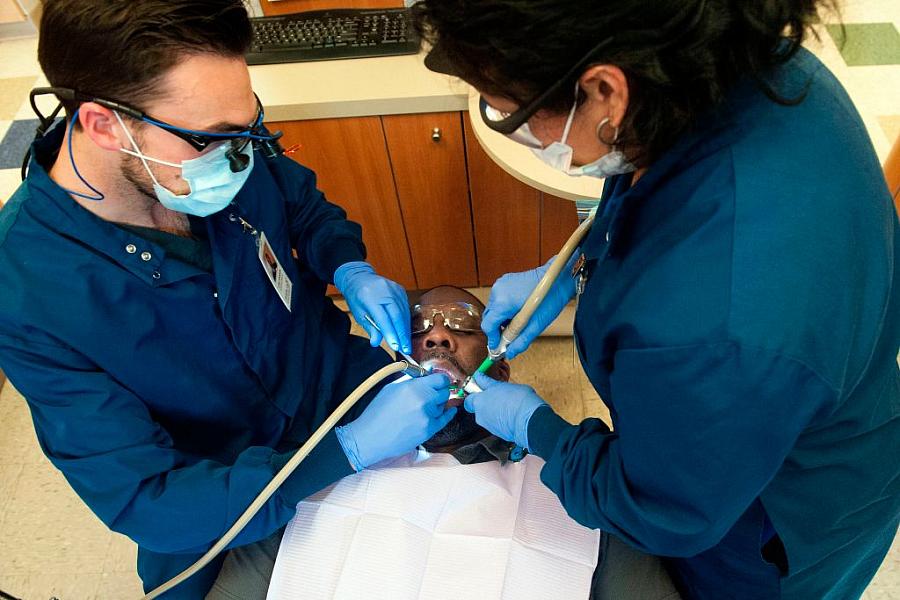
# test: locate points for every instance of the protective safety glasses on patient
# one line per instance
(458, 316)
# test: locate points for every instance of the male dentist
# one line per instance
(171, 370)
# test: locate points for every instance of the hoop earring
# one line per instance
(599, 130)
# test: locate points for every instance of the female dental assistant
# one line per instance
(739, 306)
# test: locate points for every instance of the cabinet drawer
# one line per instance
(428, 162)
(350, 159)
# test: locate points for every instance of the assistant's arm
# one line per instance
(700, 431)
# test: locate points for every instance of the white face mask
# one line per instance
(213, 184)
(559, 154)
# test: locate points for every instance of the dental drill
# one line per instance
(468, 387)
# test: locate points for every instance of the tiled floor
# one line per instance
(50, 544)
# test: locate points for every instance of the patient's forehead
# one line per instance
(446, 293)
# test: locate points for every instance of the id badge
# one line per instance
(279, 279)
(579, 273)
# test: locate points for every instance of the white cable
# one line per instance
(540, 290)
(283, 474)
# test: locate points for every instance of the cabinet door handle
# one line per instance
(436, 134)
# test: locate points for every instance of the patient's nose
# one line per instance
(440, 337)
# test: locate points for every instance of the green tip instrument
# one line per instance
(469, 382)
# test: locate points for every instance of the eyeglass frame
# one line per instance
(515, 120)
(198, 140)
(469, 306)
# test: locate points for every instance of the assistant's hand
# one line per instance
(509, 294)
(385, 301)
(401, 417)
(504, 409)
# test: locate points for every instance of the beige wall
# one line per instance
(11, 12)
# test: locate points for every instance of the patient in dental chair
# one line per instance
(456, 518)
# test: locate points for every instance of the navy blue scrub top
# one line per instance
(741, 320)
(169, 394)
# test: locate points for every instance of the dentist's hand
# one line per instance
(509, 294)
(504, 409)
(384, 301)
(401, 417)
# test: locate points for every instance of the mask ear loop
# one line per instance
(99, 195)
(571, 118)
(137, 152)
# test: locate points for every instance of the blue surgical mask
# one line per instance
(213, 184)
(559, 154)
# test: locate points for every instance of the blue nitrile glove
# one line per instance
(508, 295)
(384, 301)
(504, 409)
(402, 416)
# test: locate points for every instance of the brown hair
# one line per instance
(121, 49)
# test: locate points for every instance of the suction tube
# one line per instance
(284, 473)
(534, 300)
(537, 295)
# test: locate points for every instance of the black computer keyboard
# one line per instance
(332, 34)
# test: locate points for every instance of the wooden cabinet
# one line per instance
(507, 215)
(434, 208)
(282, 7)
(428, 160)
(353, 169)
(559, 219)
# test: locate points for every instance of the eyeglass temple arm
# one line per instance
(270, 148)
(73, 95)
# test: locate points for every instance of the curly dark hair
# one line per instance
(680, 57)
(120, 49)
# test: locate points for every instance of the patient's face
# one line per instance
(458, 353)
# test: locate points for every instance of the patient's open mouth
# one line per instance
(438, 365)
(445, 364)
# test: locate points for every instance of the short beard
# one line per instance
(134, 173)
(443, 355)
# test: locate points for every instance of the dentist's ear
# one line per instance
(101, 126)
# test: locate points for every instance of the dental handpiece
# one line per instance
(468, 386)
(531, 304)
(414, 370)
(540, 291)
(405, 356)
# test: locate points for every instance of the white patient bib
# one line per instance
(426, 527)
